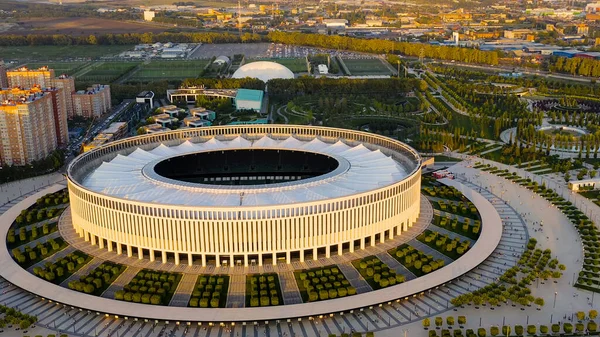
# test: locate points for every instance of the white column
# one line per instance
(190, 259)
(164, 256)
(274, 259)
(382, 237)
(362, 243)
(218, 261)
(288, 257)
(176, 259)
(119, 249)
(328, 251)
(302, 255)
(340, 249)
(86, 236)
(110, 245)
(260, 258)
(129, 251)
(101, 243)
(245, 260)
(203, 260)
(315, 255)
(152, 255)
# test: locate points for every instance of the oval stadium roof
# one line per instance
(263, 70)
(361, 170)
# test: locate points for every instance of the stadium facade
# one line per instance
(245, 195)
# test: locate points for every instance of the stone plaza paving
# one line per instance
(521, 215)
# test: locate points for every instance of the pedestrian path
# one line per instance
(183, 293)
(237, 291)
(86, 269)
(289, 288)
(120, 282)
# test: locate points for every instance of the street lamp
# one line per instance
(554, 305)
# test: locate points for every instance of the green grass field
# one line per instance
(296, 65)
(169, 70)
(106, 72)
(68, 68)
(44, 53)
(366, 67)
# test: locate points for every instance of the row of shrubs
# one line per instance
(13, 316)
(415, 260)
(588, 232)
(464, 228)
(262, 290)
(453, 248)
(97, 280)
(515, 282)
(150, 287)
(377, 273)
(26, 236)
(62, 268)
(519, 330)
(29, 256)
(39, 211)
(446, 192)
(324, 283)
(210, 291)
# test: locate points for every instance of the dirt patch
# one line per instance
(79, 26)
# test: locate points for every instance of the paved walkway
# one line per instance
(183, 293)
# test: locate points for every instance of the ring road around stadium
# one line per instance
(247, 192)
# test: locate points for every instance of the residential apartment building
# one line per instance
(28, 78)
(59, 110)
(67, 84)
(27, 128)
(3, 77)
(92, 102)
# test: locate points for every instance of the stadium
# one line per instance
(245, 195)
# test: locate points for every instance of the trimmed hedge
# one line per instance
(210, 291)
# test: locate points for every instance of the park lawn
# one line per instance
(59, 68)
(45, 53)
(304, 292)
(176, 69)
(296, 65)
(363, 272)
(443, 159)
(106, 72)
(366, 67)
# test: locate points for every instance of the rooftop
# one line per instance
(249, 95)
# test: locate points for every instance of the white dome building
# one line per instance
(263, 70)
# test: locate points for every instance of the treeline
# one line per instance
(309, 86)
(378, 46)
(224, 83)
(124, 39)
(575, 66)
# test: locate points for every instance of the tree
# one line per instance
(580, 315)
(439, 321)
(494, 331)
(426, 323)
(593, 314)
(506, 330)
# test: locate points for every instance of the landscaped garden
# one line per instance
(415, 260)
(453, 248)
(376, 273)
(210, 291)
(62, 268)
(46, 207)
(99, 279)
(150, 287)
(468, 227)
(28, 256)
(27, 235)
(263, 290)
(534, 265)
(323, 283)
